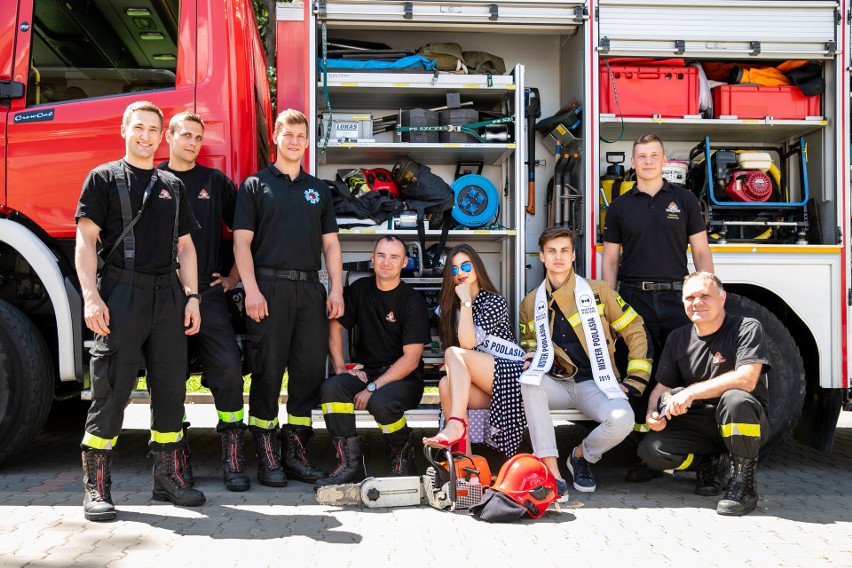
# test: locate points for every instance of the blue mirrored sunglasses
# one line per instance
(465, 266)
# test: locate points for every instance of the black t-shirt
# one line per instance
(565, 337)
(688, 358)
(386, 320)
(288, 217)
(154, 231)
(654, 232)
(212, 197)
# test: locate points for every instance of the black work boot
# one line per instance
(269, 470)
(641, 473)
(186, 458)
(97, 482)
(741, 497)
(350, 459)
(294, 439)
(402, 458)
(707, 482)
(728, 472)
(169, 484)
(233, 460)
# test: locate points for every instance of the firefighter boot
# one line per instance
(169, 484)
(294, 440)
(741, 497)
(707, 482)
(269, 470)
(402, 457)
(97, 500)
(233, 461)
(186, 458)
(350, 459)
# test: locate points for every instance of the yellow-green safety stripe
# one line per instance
(338, 408)
(92, 441)
(265, 424)
(298, 420)
(624, 320)
(638, 365)
(736, 429)
(641, 427)
(391, 428)
(231, 417)
(166, 437)
(686, 463)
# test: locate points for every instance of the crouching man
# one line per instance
(572, 324)
(393, 326)
(711, 397)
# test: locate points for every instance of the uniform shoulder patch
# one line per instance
(312, 196)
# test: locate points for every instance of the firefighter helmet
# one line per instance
(527, 481)
(379, 179)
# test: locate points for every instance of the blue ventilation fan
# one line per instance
(476, 200)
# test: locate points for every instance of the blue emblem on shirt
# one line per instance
(312, 195)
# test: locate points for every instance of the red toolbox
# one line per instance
(758, 101)
(645, 91)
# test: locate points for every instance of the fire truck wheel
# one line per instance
(26, 381)
(787, 376)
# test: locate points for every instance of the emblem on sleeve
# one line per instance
(312, 196)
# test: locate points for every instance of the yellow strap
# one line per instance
(231, 417)
(638, 365)
(298, 420)
(686, 463)
(265, 424)
(338, 408)
(166, 437)
(93, 441)
(735, 429)
(624, 320)
(391, 428)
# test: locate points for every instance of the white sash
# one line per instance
(596, 340)
(501, 348)
(543, 359)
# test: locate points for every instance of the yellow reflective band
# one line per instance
(624, 320)
(231, 417)
(734, 429)
(265, 424)
(641, 428)
(620, 301)
(686, 463)
(391, 428)
(298, 420)
(523, 328)
(638, 365)
(166, 437)
(574, 320)
(93, 441)
(531, 324)
(338, 408)
(600, 309)
(529, 344)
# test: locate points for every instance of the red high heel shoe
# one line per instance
(459, 445)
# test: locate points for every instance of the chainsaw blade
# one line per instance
(343, 494)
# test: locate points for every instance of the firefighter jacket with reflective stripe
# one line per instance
(616, 317)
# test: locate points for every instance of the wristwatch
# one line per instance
(196, 296)
(468, 304)
(371, 387)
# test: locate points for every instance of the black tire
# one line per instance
(787, 376)
(26, 381)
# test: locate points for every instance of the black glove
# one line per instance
(635, 385)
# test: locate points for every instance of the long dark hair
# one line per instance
(448, 323)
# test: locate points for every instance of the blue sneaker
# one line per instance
(562, 491)
(581, 471)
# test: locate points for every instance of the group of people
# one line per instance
(148, 257)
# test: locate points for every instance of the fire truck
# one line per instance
(542, 134)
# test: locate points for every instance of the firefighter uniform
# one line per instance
(288, 218)
(145, 300)
(736, 422)
(212, 197)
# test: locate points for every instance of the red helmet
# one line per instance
(379, 179)
(526, 480)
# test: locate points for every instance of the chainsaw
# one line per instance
(374, 492)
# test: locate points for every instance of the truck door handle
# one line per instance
(11, 90)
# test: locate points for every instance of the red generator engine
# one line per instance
(749, 186)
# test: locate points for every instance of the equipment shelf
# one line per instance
(373, 233)
(388, 152)
(739, 130)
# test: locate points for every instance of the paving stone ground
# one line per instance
(804, 516)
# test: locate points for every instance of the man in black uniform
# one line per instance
(653, 222)
(139, 308)
(284, 219)
(212, 196)
(713, 384)
(393, 326)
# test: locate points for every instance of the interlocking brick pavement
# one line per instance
(804, 517)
